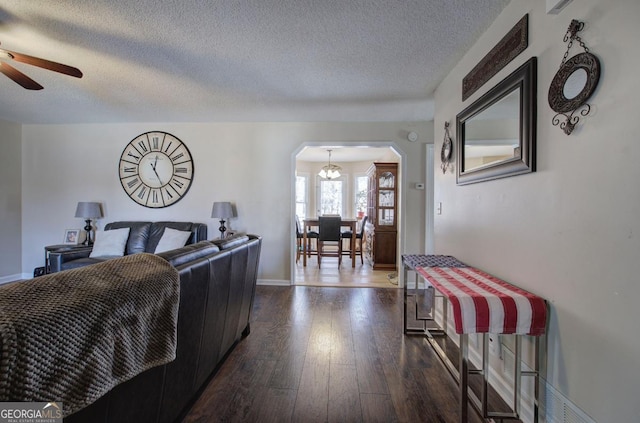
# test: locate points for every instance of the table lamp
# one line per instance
(222, 210)
(88, 210)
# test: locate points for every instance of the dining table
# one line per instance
(314, 221)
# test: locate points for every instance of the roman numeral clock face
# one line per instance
(156, 169)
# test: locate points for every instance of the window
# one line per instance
(302, 197)
(332, 192)
(362, 185)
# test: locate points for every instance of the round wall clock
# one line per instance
(156, 169)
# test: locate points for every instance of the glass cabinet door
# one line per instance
(385, 217)
(386, 198)
(387, 180)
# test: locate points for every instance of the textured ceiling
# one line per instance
(251, 60)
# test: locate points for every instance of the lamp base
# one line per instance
(87, 228)
(222, 229)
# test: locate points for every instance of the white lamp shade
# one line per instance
(88, 210)
(329, 172)
(222, 210)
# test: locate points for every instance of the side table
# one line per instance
(61, 247)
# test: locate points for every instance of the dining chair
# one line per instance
(329, 236)
(359, 240)
(300, 237)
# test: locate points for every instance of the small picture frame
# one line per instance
(71, 236)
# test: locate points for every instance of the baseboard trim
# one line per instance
(13, 278)
(273, 282)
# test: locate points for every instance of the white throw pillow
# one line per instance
(110, 243)
(172, 239)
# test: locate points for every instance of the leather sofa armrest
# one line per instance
(232, 241)
(189, 253)
(57, 258)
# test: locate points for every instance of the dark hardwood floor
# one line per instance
(323, 354)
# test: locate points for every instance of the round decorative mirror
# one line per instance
(574, 83)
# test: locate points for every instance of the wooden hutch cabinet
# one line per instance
(382, 211)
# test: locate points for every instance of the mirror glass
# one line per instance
(496, 134)
(575, 84)
(493, 135)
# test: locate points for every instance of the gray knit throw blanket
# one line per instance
(72, 336)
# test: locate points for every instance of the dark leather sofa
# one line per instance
(217, 288)
(143, 237)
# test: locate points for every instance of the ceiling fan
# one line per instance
(23, 79)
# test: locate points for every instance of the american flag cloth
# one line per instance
(482, 303)
(431, 260)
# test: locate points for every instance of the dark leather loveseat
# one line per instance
(143, 238)
(217, 287)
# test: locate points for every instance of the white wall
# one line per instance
(570, 231)
(249, 164)
(10, 201)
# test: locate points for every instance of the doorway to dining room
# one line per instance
(345, 195)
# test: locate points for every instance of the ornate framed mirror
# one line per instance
(574, 83)
(497, 133)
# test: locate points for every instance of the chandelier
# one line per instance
(330, 171)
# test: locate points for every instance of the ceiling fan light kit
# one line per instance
(22, 79)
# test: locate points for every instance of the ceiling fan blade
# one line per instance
(19, 77)
(46, 64)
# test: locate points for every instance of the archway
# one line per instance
(354, 160)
